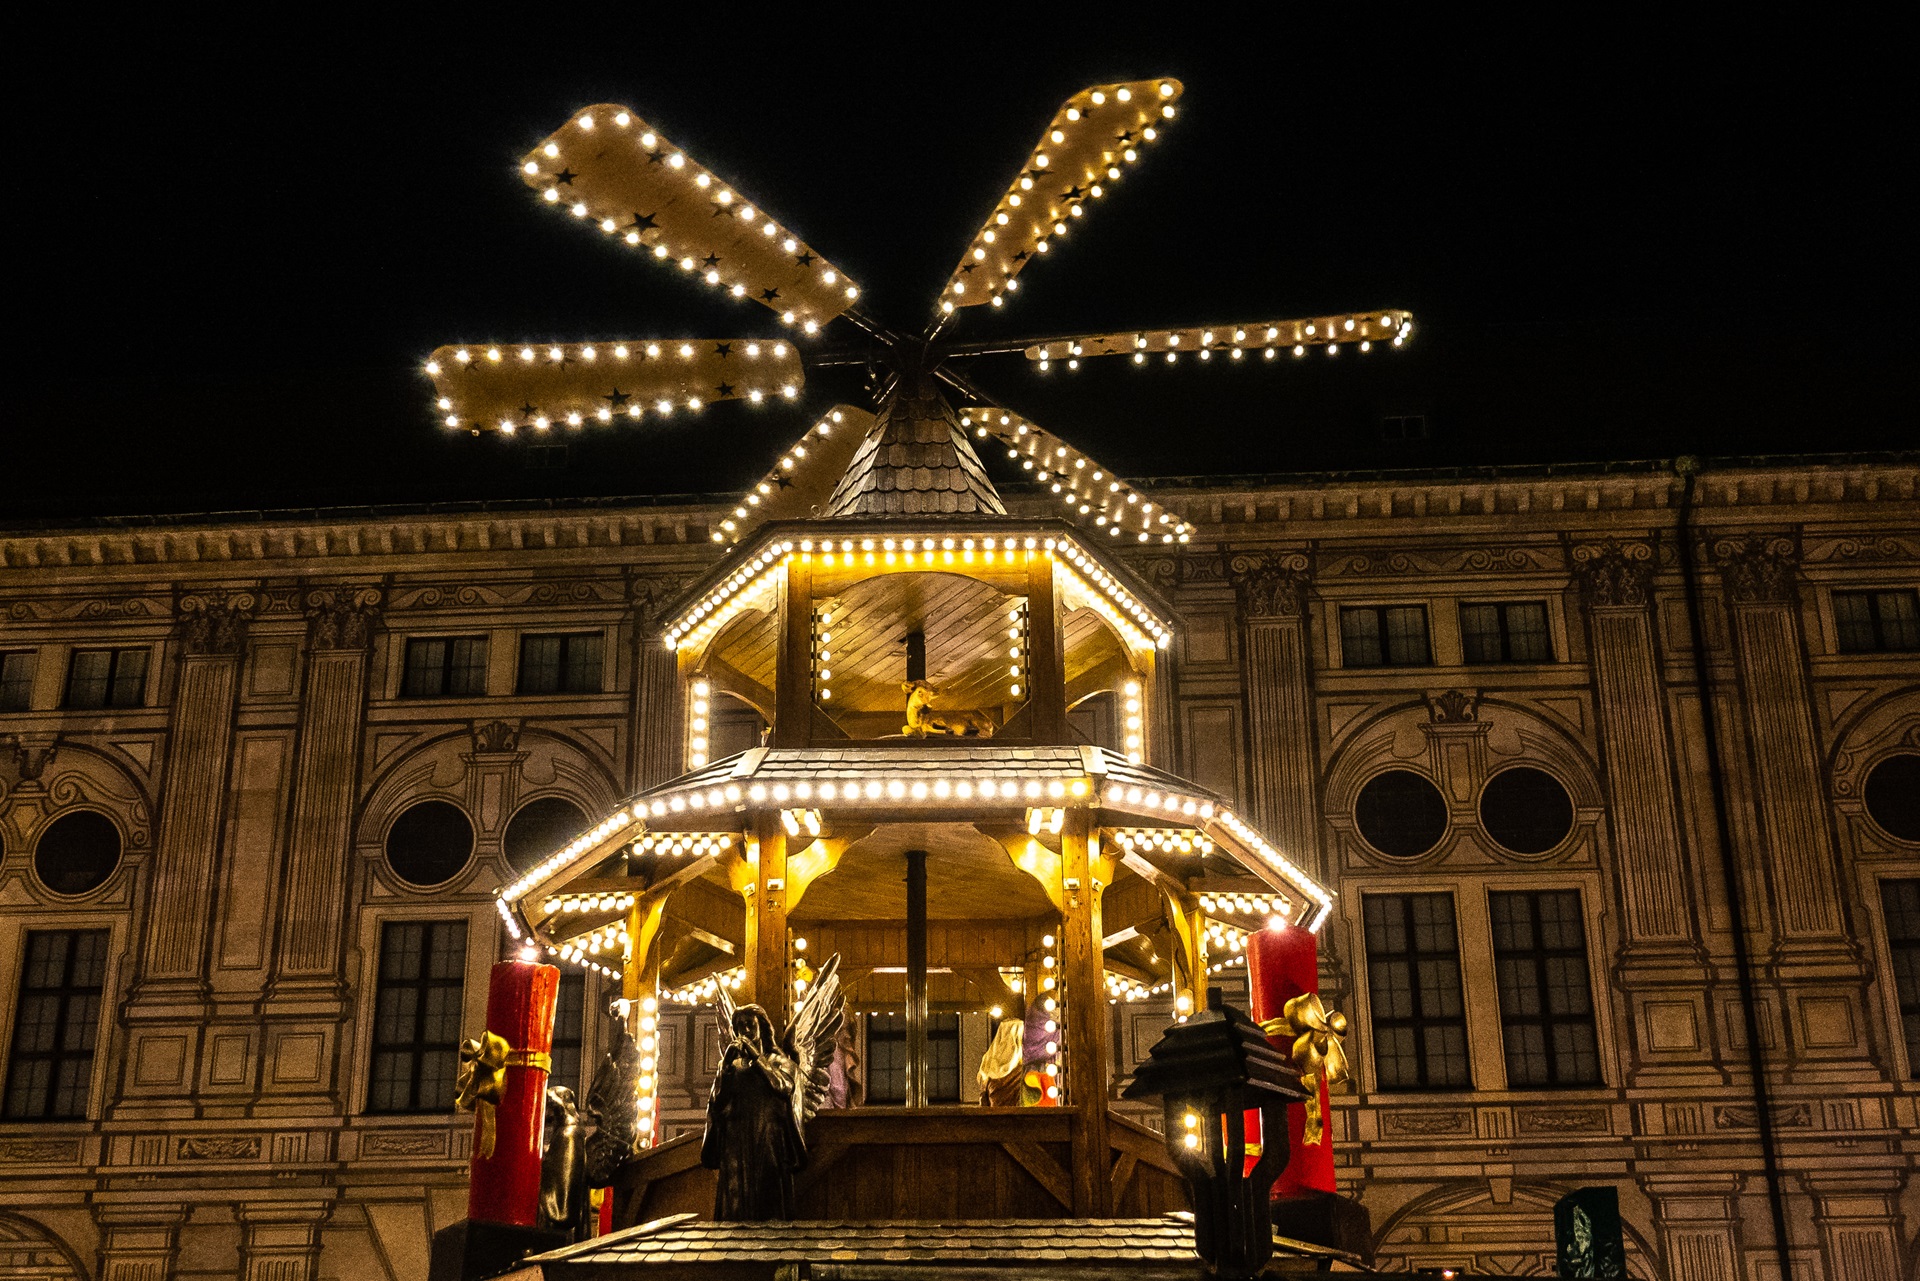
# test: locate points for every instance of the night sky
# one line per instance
(1620, 240)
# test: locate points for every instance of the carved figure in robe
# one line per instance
(565, 1205)
(765, 1092)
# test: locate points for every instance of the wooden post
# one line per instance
(1046, 654)
(916, 978)
(1085, 1024)
(768, 979)
(793, 672)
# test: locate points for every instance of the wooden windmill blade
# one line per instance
(1266, 339)
(508, 387)
(615, 172)
(1089, 493)
(1095, 137)
(802, 480)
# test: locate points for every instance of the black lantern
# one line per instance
(1208, 1072)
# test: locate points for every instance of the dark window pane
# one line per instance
(467, 666)
(55, 1026)
(1413, 987)
(416, 1030)
(429, 843)
(886, 1058)
(426, 662)
(581, 674)
(1899, 620)
(1400, 813)
(129, 678)
(1406, 628)
(1360, 637)
(1900, 901)
(16, 681)
(943, 1058)
(1892, 795)
(1527, 640)
(89, 678)
(77, 852)
(1546, 1000)
(1526, 810)
(1480, 633)
(539, 664)
(1853, 617)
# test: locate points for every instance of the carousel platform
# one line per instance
(683, 1248)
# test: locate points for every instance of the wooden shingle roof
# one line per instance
(915, 460)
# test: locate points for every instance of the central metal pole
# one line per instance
(916, 978)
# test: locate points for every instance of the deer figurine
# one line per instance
(921, 722)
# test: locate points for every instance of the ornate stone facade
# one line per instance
(228, 1129)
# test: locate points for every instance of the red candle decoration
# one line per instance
(1283, 963)
(504, 1183)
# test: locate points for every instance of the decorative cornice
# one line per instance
(1614, 573)
(1518, 558)
(495, 738)
(1271, 584)
(1453, 707)
(492, 595)
(342, 617)
(1757, 568)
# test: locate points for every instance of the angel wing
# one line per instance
(809, 1040)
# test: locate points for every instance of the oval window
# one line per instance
(1401, 813)
(1893, 796)
(1526, 810)
(540, 828)
(77, 852)
(429, 843)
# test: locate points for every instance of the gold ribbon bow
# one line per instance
(1317, 1053)
(483, 1082)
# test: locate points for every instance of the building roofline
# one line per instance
(1192, 484)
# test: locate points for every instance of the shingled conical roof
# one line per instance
(915, 459)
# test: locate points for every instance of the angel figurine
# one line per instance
(764, 1094)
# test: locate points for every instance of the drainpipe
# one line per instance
(1688, 469)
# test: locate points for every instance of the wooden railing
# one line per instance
(924, 1163)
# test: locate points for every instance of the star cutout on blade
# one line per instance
(966, 268)
(617, 398)
(711, 260)
(565, 176)
(718, 209)
(804, 259)
(642, 222)
(768, 295)
(783, 482)
(656, 157)
(723, 390)
(723, 349)
(1073, 192)
(528, 411)
(1124, 137)
(1021, 256)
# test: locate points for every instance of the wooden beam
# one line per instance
(793, 672)
(1046, 1171)
(1086, 1019)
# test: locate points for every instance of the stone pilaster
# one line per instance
(139, 1242)
(1759, 574)
(1858, 1215)
(340, 626)
(1616, 582)
(281, 1239)
(1282, 765)
(212, 633)
(1697, 1214)
(659, 717)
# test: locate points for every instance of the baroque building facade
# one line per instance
(1614, 771)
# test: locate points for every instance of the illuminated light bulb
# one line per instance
(1073, 113)
(947, 306)
(1333, 349)
(1058, 136)
(713, 277)
(686, 264)
(1026, 184)
(552, 194)
(552, 149)
(686, 350)
(812, 326)
(653, 349)
(579, 210)
(1040, 160)
(1001, 219)
(676, 160)
(664, 406)
(1130, 155)
(554, 353)
(1299, 349)
(725, 197)
(978, 254)
(648, 140)
(1014, 201)
(770, 229)
(1365, 346)
(453, 420)
(1150, 134)
(633, 237)
(606, 224)
(461, 356)
(703, 180)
